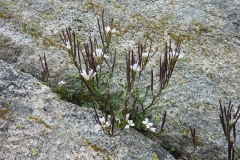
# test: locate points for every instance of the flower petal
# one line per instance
(146, 119)
(61, 83)
(102, 120)
(127, 117)
(150, 124)
(145, 54)
(107, 29)
(130, 122)
(108, 124)
(114, 31)
(153, 129)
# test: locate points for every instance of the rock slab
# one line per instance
(35, 124)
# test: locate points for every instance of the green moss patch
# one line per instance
(3, 114)
(39, 121)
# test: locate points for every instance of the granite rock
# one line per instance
(35, 124)
(209, 70)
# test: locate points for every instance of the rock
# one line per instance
(35, 124)
(208, 72)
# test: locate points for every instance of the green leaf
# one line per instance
(122, 85)
(146, 93)
(172, 148)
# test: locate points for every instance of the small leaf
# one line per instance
(146, 93)
(122, 85)
(172, 149)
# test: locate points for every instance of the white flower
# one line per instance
(127, 126)
(153, 129)
(68, 45)
(135, 67)
(107, 124)
(88, 76)
(114, 31)
(145, 54)
(98, 54)
(107, 29)
(61, 83)
(130, 123)
(148, 125)
(104, 123)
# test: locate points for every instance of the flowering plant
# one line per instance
(123, 103)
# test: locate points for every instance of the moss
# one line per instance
(199, 28)
(157, 24)
(98, 149)
(23, 70)
(199, 141)
(47, 42)
(50, 15)
(2, 16)
(211, 75)
(43, 133)
(237, 66)
(5, 11)
(93, 6)
(39, 121)
(95, 148)
(3, 113)
(155, 156)
(37, 84)
(19, 127)
(156, 27)
(204, 29)
(128, 27)
(117, 6)
(40, 143)
(228, 49)
(34, 151)
(175, 37)
(32, 28)
(158, 116)
(205, 54)
(138, 17)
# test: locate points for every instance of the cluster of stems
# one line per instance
(45, 71)
(96, 65)
(194, 139)
(228, 121)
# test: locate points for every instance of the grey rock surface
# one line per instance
(35, 124)
(209, 71)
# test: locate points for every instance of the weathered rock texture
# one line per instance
(35, 124)
(208, 72)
